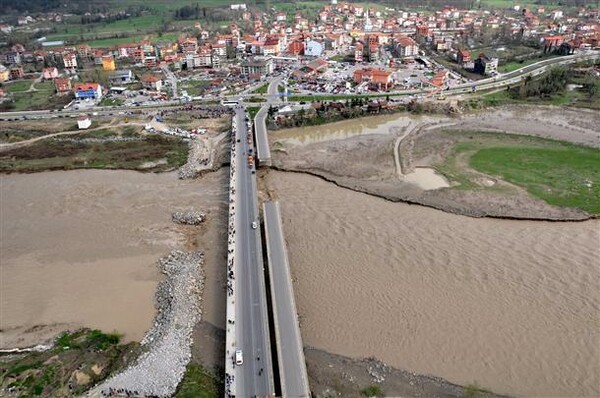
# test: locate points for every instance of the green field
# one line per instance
(41, 98)
(559, 173)
(199, 383)
(262, 89)
(573, 98)
(71, 154)
(21, 85)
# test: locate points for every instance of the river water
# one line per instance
(79, 248)
(511, 305)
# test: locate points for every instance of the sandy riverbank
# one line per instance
(79, 248)
(359, 154)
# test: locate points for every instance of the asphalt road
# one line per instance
(290, 355)
(255, 376)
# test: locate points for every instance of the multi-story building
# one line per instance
(151, 81)
(188, 45)
(12, 58)
(16, 72)
(463, 57)
(49, 73)
(4, 73)
(70, 60)
(486, 65)
(406, 47)
(87, 91)
(313, 48)
(150, 62)
(358, 52)
(108, 63)
(256, 67)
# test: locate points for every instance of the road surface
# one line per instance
(290, 355)
(255, 376)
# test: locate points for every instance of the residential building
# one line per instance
(406, 47)
(358, 52)
(87, 91)
(4, 28)
(70, 60)
(62, 86)
(463, 57)
(4, 73)
(380, 78)
(12, 58)
(16, 72)
(296, 47)
(150, 62)
(256, 67)
(151, 81)
(121, 76)
(188, 45)
(486, 65)
(49, 73)
(313, 48)
(108, 63)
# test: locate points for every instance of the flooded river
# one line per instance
(511, 305)
(79, 248)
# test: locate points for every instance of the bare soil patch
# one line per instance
(365, 163)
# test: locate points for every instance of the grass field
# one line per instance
(39, 99)
(559, 173)
(571, 98)
(194, 87)
(21, 85)
(67, 155)
(262, 89)
(199, 383)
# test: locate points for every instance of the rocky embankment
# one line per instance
(158, 371)
(202, 157)
(188, 217)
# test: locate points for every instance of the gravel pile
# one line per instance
(189, 217)
(198, 160)
(158, 371)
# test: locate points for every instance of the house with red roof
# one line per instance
(87, 91)
(62, 86)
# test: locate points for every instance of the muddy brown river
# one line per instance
(511, 305)
(79, 248)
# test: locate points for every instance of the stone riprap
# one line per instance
(158, 371)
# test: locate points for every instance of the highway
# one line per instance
(290, 355)
(255, 376)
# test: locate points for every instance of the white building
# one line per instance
(313, 48)
(84, 122)
(70, 60)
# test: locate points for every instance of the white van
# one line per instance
(239, 357)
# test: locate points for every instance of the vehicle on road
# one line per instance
(229, 103)
(250, 161)
(254, 225)
(239, 357)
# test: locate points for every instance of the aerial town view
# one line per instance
(320, 198)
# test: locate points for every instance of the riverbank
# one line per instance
(379, 155)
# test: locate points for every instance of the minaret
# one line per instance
(368, 25)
